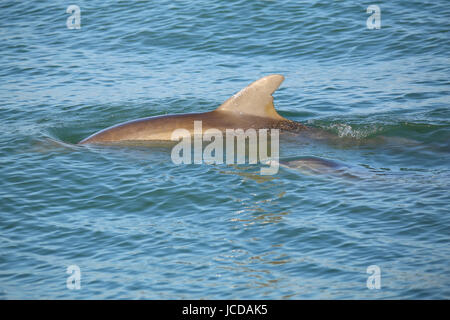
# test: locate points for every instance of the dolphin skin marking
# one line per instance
(252, 107)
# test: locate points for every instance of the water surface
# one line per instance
(139, 226)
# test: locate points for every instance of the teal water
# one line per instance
(139, 226)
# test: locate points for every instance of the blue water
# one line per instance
(139, 226)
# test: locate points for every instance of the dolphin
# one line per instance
(313, 165)
(252, 107)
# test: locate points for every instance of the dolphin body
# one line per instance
(252, 107)
(313, 165)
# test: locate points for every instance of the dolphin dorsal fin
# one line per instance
(255, 99)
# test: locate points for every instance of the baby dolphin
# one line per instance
(252, 107)
(310, 164)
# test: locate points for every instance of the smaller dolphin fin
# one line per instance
(255, 99)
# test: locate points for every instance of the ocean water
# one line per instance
(140, 227)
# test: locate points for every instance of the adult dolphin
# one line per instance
(252, 107)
